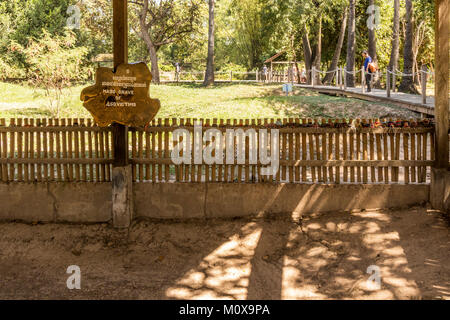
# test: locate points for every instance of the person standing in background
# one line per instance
(367, 70)
(265, 73)
(177, 71)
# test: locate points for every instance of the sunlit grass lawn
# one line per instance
(224, 101)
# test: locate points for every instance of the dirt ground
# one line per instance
(312, 257)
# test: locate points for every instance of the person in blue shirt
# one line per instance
(367, 71)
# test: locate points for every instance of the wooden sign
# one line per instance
(121, 96)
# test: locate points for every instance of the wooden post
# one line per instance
(440, 178)
(271, 71)
(423, 82)
(345, 77)
(122, 205)
(231, 76)
(394, 81)
(120, 36)
(363, 80)
(336, 77)
(313, 76)
(388, 84)
(441, 86)
(257, 80)
(341, 81)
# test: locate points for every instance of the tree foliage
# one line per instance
(247, 32)
(54, 63)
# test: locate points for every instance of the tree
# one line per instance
(307, 52)
(351, 44)
(209, 76)
(21, 21)
(318, 53)
(306, 14)
(254, 26)
(372, 37)
(407, 84)
(54, 61)
(162, 22)
(337, 52)
(96, 26)
(393, 62)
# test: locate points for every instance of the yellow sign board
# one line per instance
(121, 96)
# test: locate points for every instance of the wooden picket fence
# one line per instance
(55, 150)
(78, 150)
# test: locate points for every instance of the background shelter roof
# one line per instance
(275, 56)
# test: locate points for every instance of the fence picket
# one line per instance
(351, 152)
(4, 151)
(304, 154)
(379, 155)
(337, 155)
(90, 151)
(166, 150)
(12, 135)
(406, 157)
(26, 152)
(19, 151)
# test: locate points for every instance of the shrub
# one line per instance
(55, 62)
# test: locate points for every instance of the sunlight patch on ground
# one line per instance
(223, 274)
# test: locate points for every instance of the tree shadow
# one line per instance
(324, 256)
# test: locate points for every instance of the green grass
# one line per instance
(224, 101)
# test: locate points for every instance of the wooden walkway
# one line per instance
(410, 101)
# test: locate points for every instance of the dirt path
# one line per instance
(317, 257)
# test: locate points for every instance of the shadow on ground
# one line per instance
(322, 256)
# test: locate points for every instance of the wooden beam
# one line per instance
(275, 56)
(120, 31)
(441, 86)
(120, 49)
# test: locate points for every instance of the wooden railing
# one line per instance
(310, 151)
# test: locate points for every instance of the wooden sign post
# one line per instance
(120, 98)
(122, 176)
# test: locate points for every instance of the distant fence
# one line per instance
(389, 80)
(231, 76)
(310, 151)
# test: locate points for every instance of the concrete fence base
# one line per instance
(92, 202)
(440, 189)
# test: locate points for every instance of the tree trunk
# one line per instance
(152, 50)
(393, 62)
(372, 39)
(417, 43)
(351, 44)
(318, 57)
(407, 84)
(299, 75)
(308, 55)
(337, 52)
(209, 76)
(154, 60)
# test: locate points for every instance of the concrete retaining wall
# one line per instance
(56, 202)
(91, 202)
(440, 189)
